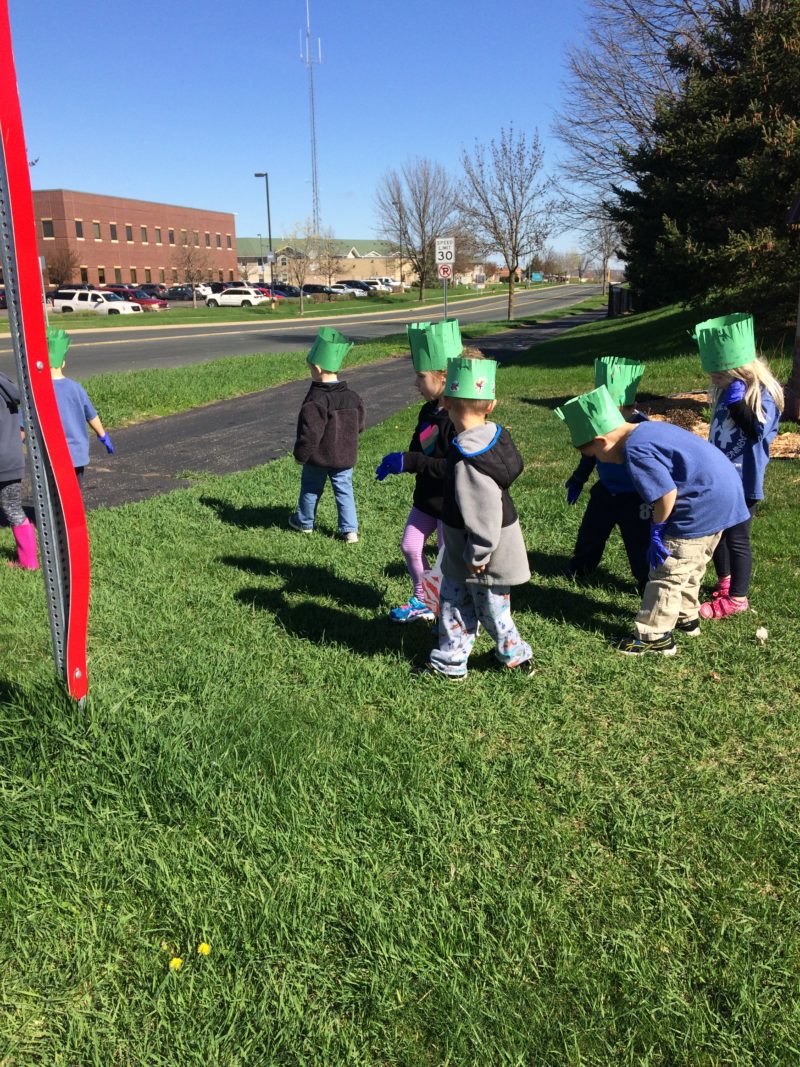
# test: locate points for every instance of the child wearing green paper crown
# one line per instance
(613, 500)
(330, 420)
(746, 402)
(74, 405)
(695, 494)
(484, 553)
(431, 344)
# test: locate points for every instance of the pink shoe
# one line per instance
(722, 588)
(25, 536)
(722, 607)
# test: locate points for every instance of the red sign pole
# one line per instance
(60, 515)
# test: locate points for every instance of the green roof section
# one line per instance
(251, 247)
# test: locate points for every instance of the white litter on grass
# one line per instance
(762, 633)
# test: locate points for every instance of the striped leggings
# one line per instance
(11, 503)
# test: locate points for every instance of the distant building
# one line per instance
(343, 260)
(113, 240)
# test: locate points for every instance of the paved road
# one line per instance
(238, 434)
(138, 347)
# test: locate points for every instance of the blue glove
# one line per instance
(574, 489)
(106, 440)
(391, 464)
(657, 551)
(733, 393)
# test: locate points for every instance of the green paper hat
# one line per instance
(621, 376)
(329, 349)
(57, 344)
(470, 379)
(590, 415)
(726, 343)
(432, 344)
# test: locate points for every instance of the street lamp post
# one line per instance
(261, 255)
(265, 176)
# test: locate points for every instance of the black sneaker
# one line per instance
(688, 627)
(635, 646)
(429, 671)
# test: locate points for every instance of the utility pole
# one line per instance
(306, 54)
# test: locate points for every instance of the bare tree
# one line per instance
(191, 262)
(300, 252)
(327, 255)
(414, 207)
(504, 199)
(61, 265)
(601, 243)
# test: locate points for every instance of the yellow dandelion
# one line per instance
(175, 963)
(203, 949)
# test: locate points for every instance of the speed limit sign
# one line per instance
(445, 251)
(445, 270)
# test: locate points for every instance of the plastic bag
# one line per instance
(432, 584)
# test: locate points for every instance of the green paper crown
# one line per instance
(432, 344)
(621, 376)
(57, 344)
(329, 349)
(726, 343)
(590, 415)
(471, 379)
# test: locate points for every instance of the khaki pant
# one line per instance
(672, 590)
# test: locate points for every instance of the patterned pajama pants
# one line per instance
(463, 606)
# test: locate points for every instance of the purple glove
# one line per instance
(574, 489)
(391, 464)
(106, 440)
(657, 551)
(733, 393)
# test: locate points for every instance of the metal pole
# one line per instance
(445, 297)
(265, 176)
(261, 254)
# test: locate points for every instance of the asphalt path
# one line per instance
(162, 345)
(163, 454)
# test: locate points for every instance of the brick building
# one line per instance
(124, 241)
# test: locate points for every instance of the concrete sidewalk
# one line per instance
(235, 435)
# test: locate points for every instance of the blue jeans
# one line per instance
(462, 606)
(312, 484)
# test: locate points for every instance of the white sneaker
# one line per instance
(295, 525)
(351, 537)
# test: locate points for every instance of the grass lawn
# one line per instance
(598, 865)
(123, 398)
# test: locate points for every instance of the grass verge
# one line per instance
(595, 866)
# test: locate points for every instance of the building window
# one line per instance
(47, 229)
(148, 274)
(175, 274)
(184, 238)
(228, 239)
(112, 229)
(85, 275)
(196, 238)
(118, 275)
(158, 235)
(133, 275)
(96, 231)
(129, 234)
(208, 240)
(171, 236)
(79, 229)
(143, 234)
(221, 276)
(162, 274)
(219, 240)
(230, 276)
(284, 261)
(101, 275)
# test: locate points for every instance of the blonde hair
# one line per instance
(756, 376)
(471, 353)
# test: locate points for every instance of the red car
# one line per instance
(147, 300)
(265, 289)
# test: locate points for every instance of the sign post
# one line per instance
(445, 258)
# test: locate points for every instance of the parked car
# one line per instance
(379, 284)
(287, 290)
(203, 290)
(179, 292)
(96, 300)
(148, 303)
(352, 288)
(311, 289)
(243, 297)
(154, 289)
(270, 294)
(356, 283)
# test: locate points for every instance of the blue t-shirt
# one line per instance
(661, 457)
(748, 457)
(75, 409)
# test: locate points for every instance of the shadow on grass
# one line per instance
(249, 516)
(553, 565)
(308, 578)
(574, 607)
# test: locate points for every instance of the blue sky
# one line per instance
(182, 103)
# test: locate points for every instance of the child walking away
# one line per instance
(74, 405)
(695, 494)
(613, 501)
(12, 467)
(484, 554)
(431, 344)
(746, 403)
(330, 420)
